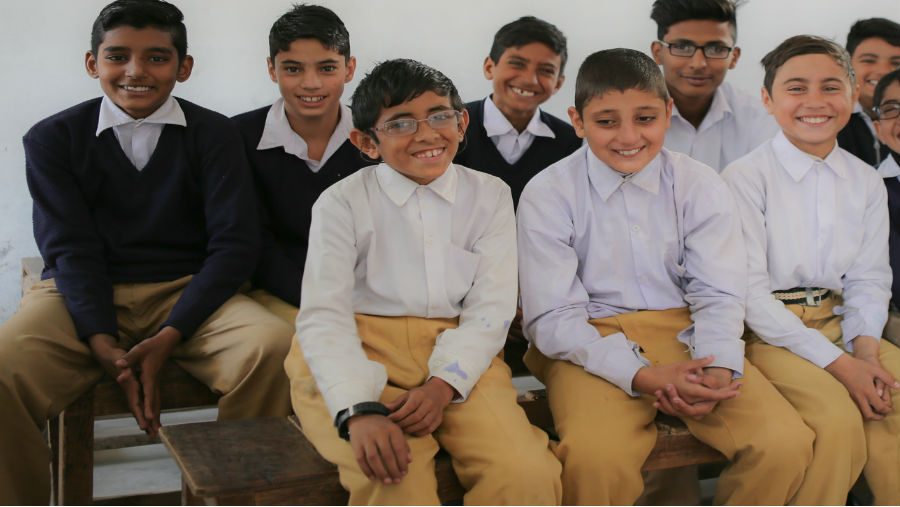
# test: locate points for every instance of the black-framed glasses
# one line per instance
(687, 50)
(888, 111)
(407, 126)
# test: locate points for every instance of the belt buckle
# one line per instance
(812, 299)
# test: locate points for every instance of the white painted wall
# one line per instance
(42, 46)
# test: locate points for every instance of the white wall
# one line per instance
(42, 46)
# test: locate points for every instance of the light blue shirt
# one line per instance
(810, 222)
(593, 244)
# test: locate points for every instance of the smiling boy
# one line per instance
(712, 121)
(408, 291)
(298, 146)
(511, 137)
(816, 226)
(886, 105)
(874, 47)
(631, 265)
(144, 220)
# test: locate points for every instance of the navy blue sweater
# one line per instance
(856, 138)
(481, 154)
(893, 191)
(99, 221)
(286, 190)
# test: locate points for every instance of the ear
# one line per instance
(878, 128)
(559, 82)
(271, 66)
(463, 124)
(90, 65)
(185, 68)
(735, 55)
(855, 94)
(656, 50)
(577, 122)
(488, 68)
(365, 143)
(669, 113)
(351, 68)
(767, 101)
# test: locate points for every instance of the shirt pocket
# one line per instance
(461, 267)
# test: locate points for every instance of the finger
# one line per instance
(133, 395)
(664, 404)
(886, 377)
(148, 382)
(409, 406)
(695, 411)
(390, 460)
(700, 363)
(885, 393)
(374, 461)
(421, 428)
(412, 420)
(865, 409)
(397, 402)
(364, 463)
(695, 378)
(401, 450)
(877, 404)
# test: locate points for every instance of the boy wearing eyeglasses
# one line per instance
(712, 121)
(408, 291)
(886, 101)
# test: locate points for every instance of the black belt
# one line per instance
(807, 296)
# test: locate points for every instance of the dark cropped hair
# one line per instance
(526, 30)
(885, 81)
(141, 14)
(799, 45)
(871, 28)
(309, 22)
(668, 12)
(394, 82)
(617, 69)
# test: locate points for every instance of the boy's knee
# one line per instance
(786, 447)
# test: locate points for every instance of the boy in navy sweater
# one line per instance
(146, 221)
(886, 102)
(510, 137)
(874, 47)
(298, 146)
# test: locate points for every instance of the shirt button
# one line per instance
(644, 279)
(635, 228)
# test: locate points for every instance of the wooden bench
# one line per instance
(270, 461)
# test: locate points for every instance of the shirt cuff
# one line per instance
(855, 324)
(347, 394)
(450, 371)
(816, 348)
(727, 355)
(620, 359)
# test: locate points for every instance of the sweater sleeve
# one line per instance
(277, 272)
(232, 227)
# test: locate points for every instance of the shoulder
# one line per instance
(756, 164)
(859, 169)
(692, 174)
(78, 120)
(559, 126)
(480, 183)
(559, 179)
(199, 116)
(352, 188)
(252, 120)
(475, 108)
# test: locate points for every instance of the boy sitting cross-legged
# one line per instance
(146, 220)
(408, 291)
(298, 146)
(510, 136)
(632, 276)
(815, 221)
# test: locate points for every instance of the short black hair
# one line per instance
(885, 81)
(873, 28)
(618, 69)
(668, 12)
(526, 30)
(309, 22)
(141, 14)
(799, 45)
(394, 82)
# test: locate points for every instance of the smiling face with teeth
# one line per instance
(137, 68)
(625, 130)
(423, 156)
(889, 130)
(812, 99)
(311, 79)
(523, 79)
(872, 59)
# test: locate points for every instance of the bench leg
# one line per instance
(53, 443)
(75, 480)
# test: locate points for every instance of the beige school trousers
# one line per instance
(499, 457)
(606, 434)
(845, 445)
(237, 351)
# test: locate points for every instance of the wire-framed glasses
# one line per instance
(407, 126)
(888, 110)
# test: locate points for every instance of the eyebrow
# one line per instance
(803, 80)
(695, 43)
(407, 114)
(155, 49)
(297, 62)
(639, 108)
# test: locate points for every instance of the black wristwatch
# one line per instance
(366, 407)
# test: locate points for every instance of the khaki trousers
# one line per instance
(499, 457)
(44, 367)
(845, 445)
(276, 305)
(606, 434)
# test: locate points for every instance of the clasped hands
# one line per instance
(687, 388)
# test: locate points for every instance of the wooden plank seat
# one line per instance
(270, 462)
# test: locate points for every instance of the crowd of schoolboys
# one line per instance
(386, 243)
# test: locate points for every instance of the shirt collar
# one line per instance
(606, 180)
(718, 109)
(797, 162)
(399, 188)
(889, 168)
(495, 124)
(858, 109)
(277, 133)
(111, 116)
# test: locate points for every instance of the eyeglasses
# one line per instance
(407, 126)
(888, 111)
(686, 49)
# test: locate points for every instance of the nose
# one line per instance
(627, 133)
(531, 76)
(135, 68)
(698, 61)
(311, 80)
(425, 131)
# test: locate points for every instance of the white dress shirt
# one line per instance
(381, 244)
(138, 138)
(509, 142)
(735, 124)
(277, 133)
(889, 168)
(593, 244)
(810, 222)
